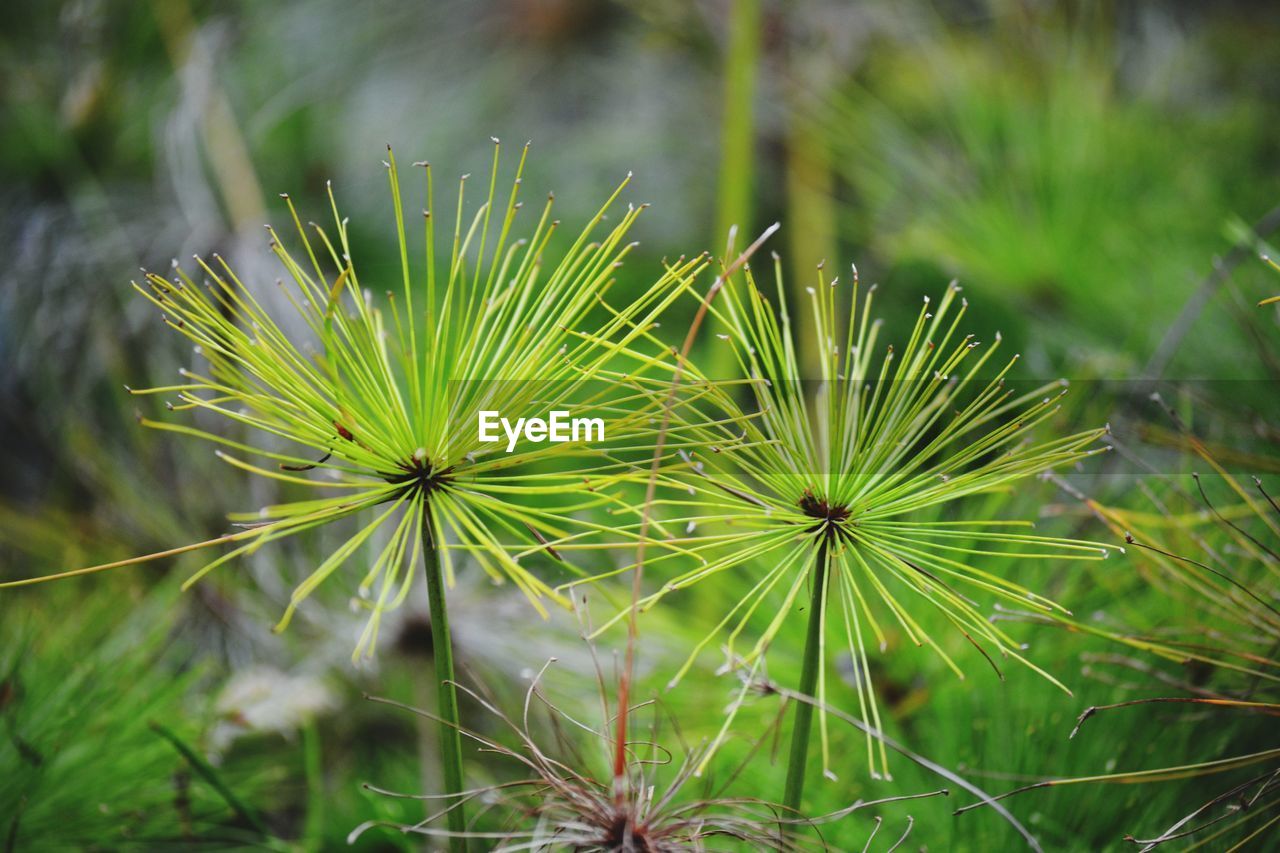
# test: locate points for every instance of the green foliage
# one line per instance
(1212, 545)
(1075, 165)
(1016, 155)
(83, 762)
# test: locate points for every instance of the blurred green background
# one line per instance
(1081, 168)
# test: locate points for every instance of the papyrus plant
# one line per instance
(834, 491)
(370, 404)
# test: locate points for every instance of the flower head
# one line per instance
(372, 404)
(842, 485)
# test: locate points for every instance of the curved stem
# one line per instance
(446, 693)
(808, 680)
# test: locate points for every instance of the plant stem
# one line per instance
(735, 186)
(205, 770)
(313, 824)
(737, 132)
(808, 680)
(446, 693)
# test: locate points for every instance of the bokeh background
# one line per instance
(1099, 176)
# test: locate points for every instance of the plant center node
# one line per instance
(622, 834)
(826, 513)
(417, 472)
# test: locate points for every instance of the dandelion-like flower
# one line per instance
(374, 406)
(375, 409)
(842, 490)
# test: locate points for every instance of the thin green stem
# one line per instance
(313, 825)
(206, 771)
(446, 692)
(808, 681)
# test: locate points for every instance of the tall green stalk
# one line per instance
(737, 131)
(808, 682)
(736, 183)
(446, 692)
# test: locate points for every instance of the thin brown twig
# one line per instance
(624, 683)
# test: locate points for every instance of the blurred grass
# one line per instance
(1059, 162)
